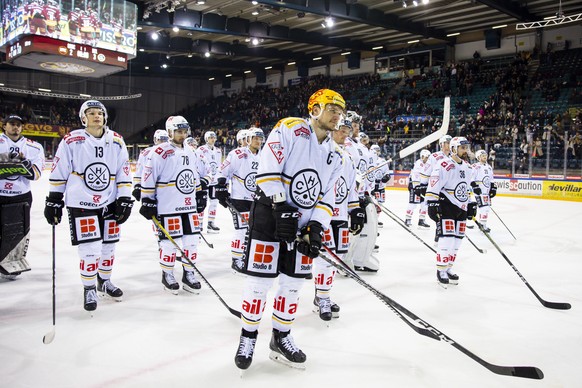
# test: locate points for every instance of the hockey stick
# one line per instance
(529, 372)
(165, 232)
(392, 305)
(50, 336)
(397, 219)
(476, 247)
(210, 245)
(494, 212)
(551, 305)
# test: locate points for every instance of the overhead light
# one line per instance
(138, 28)
(141, 50)
(329, 22)
(404, 5)
(164, 65)
(499, 26)
(454, 34)
(415, 3)
(175, 29)
(413, 41)
(316, 58)
(268, 67)
(424, 1)
(255, 13)
(154, 35)
(167, 56)
(247, 71)
(85, 95)
(201, 2)
(255, 41)
(228, 75)
(211, 79)
(44, 90)
(290, 63)
(1, 84)
(378, 48)
(147, 68)
(207, 54)
(254, 2)
(346, 53)
(190, 55)
(550, 17)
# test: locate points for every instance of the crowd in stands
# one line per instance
(494, 105)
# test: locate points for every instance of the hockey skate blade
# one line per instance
(279, 358)
(49, 337)
(191, 290)
(173, 292)
(105, 296)
(443, 285)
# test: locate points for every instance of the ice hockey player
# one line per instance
(417, 184)
(160, 136)
(382, 174)
(209, 159)
(192, 143)
(21, 161)
(241, 137)
(336, 237)
(172, 192)
(435, 160)
(293, 205)
(483, 179)
(449, 206)
(239, 171)
(91, 170)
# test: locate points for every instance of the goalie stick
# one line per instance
(165, 232)
(529, 372)
(545, 303)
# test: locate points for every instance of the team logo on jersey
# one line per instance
(461, 192)
(362, 166)
(8, 186)
(486, 181)
(341, 190)
(97, 176)
(277, 150)
(305, 188)
(213, 168)
(185, 182)
(250, 181)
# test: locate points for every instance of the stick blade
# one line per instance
(557, 305)
(48, 337)
(526, 372)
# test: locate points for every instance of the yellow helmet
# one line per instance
(323, 97)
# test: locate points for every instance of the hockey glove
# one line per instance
(420, 190)
(385, 178)
(204, 184)
(137, 192)
(53, 208)
(149, 208)
(476, 188)
(311, 236)
(26, 163)
(201, 200)
(286, 222)
(493, 190)
(222, 192)
(471, 210)
(123, 207)
(434, 211)
(357, 220)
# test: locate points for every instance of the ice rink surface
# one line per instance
(155, 339)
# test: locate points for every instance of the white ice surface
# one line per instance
(155, 339)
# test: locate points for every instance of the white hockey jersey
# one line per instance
(170, 177)
(209, 159)
(293, 162)
(363, 161)
(346, 195)
(382, 170)
(91, 172)
(31, 150)
(483, 176)
(433, 160)
(420, 172)
(240, 169)
(139, 165)
(451, 179)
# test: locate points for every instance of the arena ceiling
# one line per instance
(242, 35)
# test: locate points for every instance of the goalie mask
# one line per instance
(176, 122)
(89, 104)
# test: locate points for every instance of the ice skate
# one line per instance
(284, 350)
(246, 349)
(423, 225)
(453, 277)
(443, 279)
(408, 222)
(364, 269)
(380, 224)
(90, 299)
(334, 308)
(236, 266)
(170, 283)
(106, 289)
(189, 282)
(212, 228)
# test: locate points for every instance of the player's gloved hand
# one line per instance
(286, 222)
(420, 190)
(385, 178)
(137, 192)
(222, 192)
(493, 190)
(149, 208)
(201, 200)
(28, 165)
(471, 210)
(357, 220)
(204, 184)
(123, 207)
(476, 188)
(434, 210)
(410, 187)
(53, 208)
(311, 236)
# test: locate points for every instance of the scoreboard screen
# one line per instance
(102, 24)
